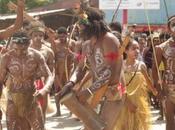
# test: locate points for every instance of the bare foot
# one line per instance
(75, 117)
(56, 114)
(160, 118)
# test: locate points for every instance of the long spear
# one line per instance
(69, 41)
(154, 52)
(116, 11)
(166, 9)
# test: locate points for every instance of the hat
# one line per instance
(37, 26)
(155, 35)
(38, 29)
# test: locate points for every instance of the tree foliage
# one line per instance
(29, 4)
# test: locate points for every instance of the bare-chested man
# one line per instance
(166, 52)
(24, 65)
(101, 49)
(37, 42)
(63, 61)
(61, 53)
(4, 34)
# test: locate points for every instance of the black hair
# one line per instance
(126, 48)
(20, 38)
(143, 35)
(2, 42)
(96, 26)
(116, 26)
(169, 21)
(130, 43)
(164, 36)
(61, 30)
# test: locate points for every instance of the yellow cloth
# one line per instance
(161, 67)
(137, 93)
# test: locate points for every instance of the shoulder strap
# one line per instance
(133, 75)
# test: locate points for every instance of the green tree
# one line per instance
(29, 4)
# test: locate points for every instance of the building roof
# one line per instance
(60, 4)
(40, 13)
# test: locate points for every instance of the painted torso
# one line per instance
(97, 61)
(61, 51)
(22, 71)
(169, 56)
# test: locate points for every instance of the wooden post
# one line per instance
(125, 16)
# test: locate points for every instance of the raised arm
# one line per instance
(3, 71)
(4, 34)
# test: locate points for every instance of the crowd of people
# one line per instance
(105, 75)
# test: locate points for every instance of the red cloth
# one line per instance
(111, 56)
(79, 57)
(39, 85)
(121, 89)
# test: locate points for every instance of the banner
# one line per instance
(130, 4)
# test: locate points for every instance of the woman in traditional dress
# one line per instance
(136, 113)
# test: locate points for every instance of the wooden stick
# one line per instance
(69, 41)
(148, 81)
